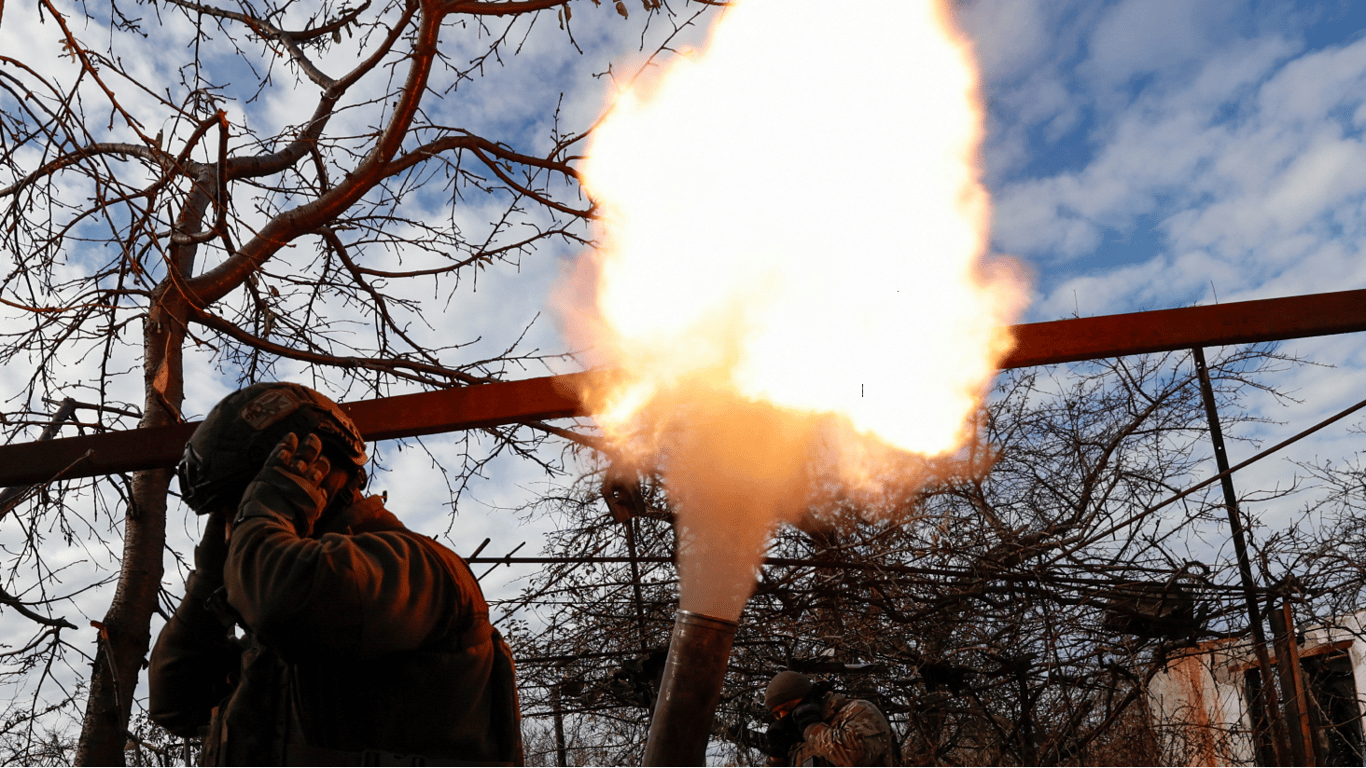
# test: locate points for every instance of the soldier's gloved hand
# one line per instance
(807, 714)
(289, 484)
(782, 736)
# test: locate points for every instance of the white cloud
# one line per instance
(1253, 165)
(1244, 148)
(1140, 37)
(1008, 35)
(1247, 153)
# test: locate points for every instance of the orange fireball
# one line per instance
(793, 230)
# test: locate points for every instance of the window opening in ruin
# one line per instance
(1335, 710)
(1337, 716)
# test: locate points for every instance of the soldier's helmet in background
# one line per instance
(787, 686)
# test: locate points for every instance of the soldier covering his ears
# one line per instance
(816, 726)
(361, 642)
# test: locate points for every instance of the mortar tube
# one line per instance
(690, 690)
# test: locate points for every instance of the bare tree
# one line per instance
(1005, 617)
(199, 190)
(1318, 559)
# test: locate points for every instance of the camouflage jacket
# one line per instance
(852, 732)
(364, 640)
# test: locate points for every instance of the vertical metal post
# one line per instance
(635, 582)
(1235, 523)
(561, 753)
(1292, 683)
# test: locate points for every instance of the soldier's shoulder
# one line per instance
(864, 711)
(454, 562)
(430, 542)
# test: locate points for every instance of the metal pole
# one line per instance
(561, 754)
(11, 496)
(1235, 522)
(1292, 682)
(635, 582)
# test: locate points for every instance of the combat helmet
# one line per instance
(233, 442)
(787, 686)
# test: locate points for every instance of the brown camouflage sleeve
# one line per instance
(191, 663)
(857, 735)
(352, 596)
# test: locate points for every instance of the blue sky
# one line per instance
(1146, 154)
(1139, 151)
(1141, 154)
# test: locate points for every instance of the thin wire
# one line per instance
(1183, 494)
(1037, 575)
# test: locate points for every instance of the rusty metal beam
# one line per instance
(422, 413)
(1244, 322)
(550, 397)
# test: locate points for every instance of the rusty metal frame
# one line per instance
(552, 397)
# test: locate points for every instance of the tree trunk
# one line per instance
(125, 634)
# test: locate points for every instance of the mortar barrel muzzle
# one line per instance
(682, 724)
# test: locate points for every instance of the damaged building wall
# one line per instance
(1199, 700)
(1199, 707)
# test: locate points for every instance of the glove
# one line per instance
(782, 736)
(288, 485)
(807, 714)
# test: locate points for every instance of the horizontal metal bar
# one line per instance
(1079, 582)
(551, 397)
(422, 413)
(482, 405)
(1244, 322)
